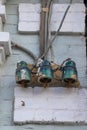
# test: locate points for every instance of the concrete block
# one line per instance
(77, 7)
(26, 27)
(75, 17)
(35, 8)
(72, 27)
(67, 27)
(3, 13)
(78, 27)
(5, 41)
(57, 17)
(74, 20)
(57, 105)
(29, 17)
(59, 8)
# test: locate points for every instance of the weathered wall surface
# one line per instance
(7, 79)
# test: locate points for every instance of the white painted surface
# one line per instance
(23, 7)
(50, 105)
(29, 17)
(6, 42)
(74, 48)
(6, 92)
(74, 20)
(29, 27)
(59, 105)
(3, 13)
(56, 104)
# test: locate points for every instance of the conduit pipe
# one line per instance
(42, 26)
(16, 45)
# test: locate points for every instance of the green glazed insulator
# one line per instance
(69, 72)
(23, 74)
(46, 73)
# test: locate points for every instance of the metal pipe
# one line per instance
(49, 29)
(47, 22)
(46, 28)
(42, 27)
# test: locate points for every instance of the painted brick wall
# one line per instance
(29, 18)
(46, 105)
(7, 79)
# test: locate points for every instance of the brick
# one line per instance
(26, 27)
(73, 22)
(3, 13)
(77, 7)
(6, 42)
(50, 105)
(59, 7)
(57, 17)
(29, 8)
(29, 17)
(75, 17)
(72, 27)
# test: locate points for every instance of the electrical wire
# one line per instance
(47, 36)
(57, 30)
(16, 45)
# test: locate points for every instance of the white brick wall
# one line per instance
(3, 13)
(6, 42)
(74, 21)
(5, 48)
(30, 27)
(59, 105)
(35, 8)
